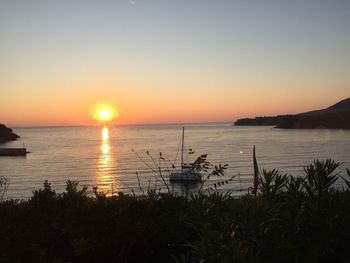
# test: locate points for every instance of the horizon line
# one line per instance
(122, 125)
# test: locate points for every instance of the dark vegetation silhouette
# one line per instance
(290, 219)
(213, 175)
(4, 184)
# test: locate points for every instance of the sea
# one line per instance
(138, 158)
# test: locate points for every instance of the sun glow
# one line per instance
(104, 112)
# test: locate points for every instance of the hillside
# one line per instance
(341, 105)
(336, 116)
(6, 134)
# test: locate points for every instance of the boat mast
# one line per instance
(182, 146)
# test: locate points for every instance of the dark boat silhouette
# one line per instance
(187, 172)
(13, 151)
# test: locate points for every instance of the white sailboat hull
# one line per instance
(187, 173)
(185, 176)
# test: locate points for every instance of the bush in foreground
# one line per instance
(289, 220)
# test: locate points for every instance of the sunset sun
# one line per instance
(104, 112)
(104, 115)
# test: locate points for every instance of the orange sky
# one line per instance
(173, 62)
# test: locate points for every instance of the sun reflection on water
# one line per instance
(105, 134)
(105, 164)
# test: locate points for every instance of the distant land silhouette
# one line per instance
(336, 116)
(6, 134)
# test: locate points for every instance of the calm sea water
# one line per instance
(105, 158)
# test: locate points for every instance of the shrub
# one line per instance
(290, 220)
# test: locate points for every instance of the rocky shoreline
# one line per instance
(6, 134)
(336, 116)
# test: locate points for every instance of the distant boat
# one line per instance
(187, 172)
(13, 151)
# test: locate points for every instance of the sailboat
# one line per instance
(187, 172)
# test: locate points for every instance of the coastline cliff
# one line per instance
(6, 134)
(336, 116)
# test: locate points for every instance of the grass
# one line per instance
(290, 219)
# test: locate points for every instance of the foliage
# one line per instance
(319, 177)
(347, 181)
(4, 184)
(162, 165)
(272, 183)
(302, 219)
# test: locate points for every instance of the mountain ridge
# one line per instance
(336, 116)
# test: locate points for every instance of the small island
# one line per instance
(336, 116)
(6, 134)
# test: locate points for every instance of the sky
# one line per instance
(170, 61)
